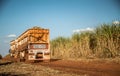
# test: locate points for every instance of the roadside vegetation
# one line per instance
(0, 56)
(103, 42)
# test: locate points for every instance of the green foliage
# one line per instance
(0, 56)
(103, 42)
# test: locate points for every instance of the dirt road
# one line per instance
(85, 67)
(91, 68)
(25, 69)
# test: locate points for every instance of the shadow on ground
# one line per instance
(13, 74)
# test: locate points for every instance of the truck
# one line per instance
(31, 45)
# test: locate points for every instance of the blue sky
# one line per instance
(62, 17)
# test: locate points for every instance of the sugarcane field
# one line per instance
(59, 37)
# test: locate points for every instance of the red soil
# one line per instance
(84, 67)
(92, 68)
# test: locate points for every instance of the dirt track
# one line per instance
(92, 68)
(85, 67)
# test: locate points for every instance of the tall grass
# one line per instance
(108, 40)
(59, 47)
(103, 42)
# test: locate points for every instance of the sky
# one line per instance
(62, 17)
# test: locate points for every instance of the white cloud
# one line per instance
(83, 30)
(116, 22)
(8, 38)
(11, 35)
